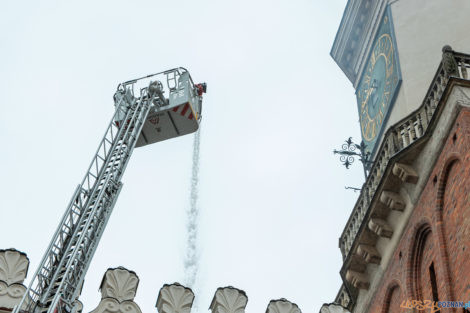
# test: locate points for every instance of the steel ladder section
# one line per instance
(57, 282)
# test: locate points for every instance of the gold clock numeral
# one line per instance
(367, 129)
(386, 97)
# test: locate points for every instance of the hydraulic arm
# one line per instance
(139, 103)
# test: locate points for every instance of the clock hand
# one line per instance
(368, 92)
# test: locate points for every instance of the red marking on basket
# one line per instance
(186, 107)
(118, 123)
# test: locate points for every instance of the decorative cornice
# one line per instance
(229, 300)
(175, 298)
(282, 306)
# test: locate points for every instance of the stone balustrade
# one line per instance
(397, 138)
(119, 287)
(342, 298)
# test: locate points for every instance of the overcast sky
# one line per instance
(272, 196)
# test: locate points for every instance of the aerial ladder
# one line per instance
(147, 110)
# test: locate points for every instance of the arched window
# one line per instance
(392, 299)
(422, 275)
(433, 280)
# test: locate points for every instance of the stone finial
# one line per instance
(405, 172)
(229, 300)
(333, 308)
(369, 254)
(282, 306)
(358, 280)
(13, 270)
(380, 227)
(449, 64)
(120, 284)
(175, 298)
(13, 266)
(118, 289)
(393, 200)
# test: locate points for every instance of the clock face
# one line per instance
(378, 85)
(375, 92)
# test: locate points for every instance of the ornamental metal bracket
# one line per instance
(350, 150)
(353, 188)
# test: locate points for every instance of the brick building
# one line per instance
(408, 236)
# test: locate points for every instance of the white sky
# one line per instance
(272, 195)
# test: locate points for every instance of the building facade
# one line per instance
(406, 244)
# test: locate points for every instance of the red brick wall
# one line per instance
(438, 232)
(456, 210)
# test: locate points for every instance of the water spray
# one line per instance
(191, 262)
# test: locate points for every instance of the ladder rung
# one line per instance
(44, 277)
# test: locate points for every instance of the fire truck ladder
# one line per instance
(57, 282)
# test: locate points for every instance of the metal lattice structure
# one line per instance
(57, 282)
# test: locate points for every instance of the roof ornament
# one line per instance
(449, 64)
(350, 150)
